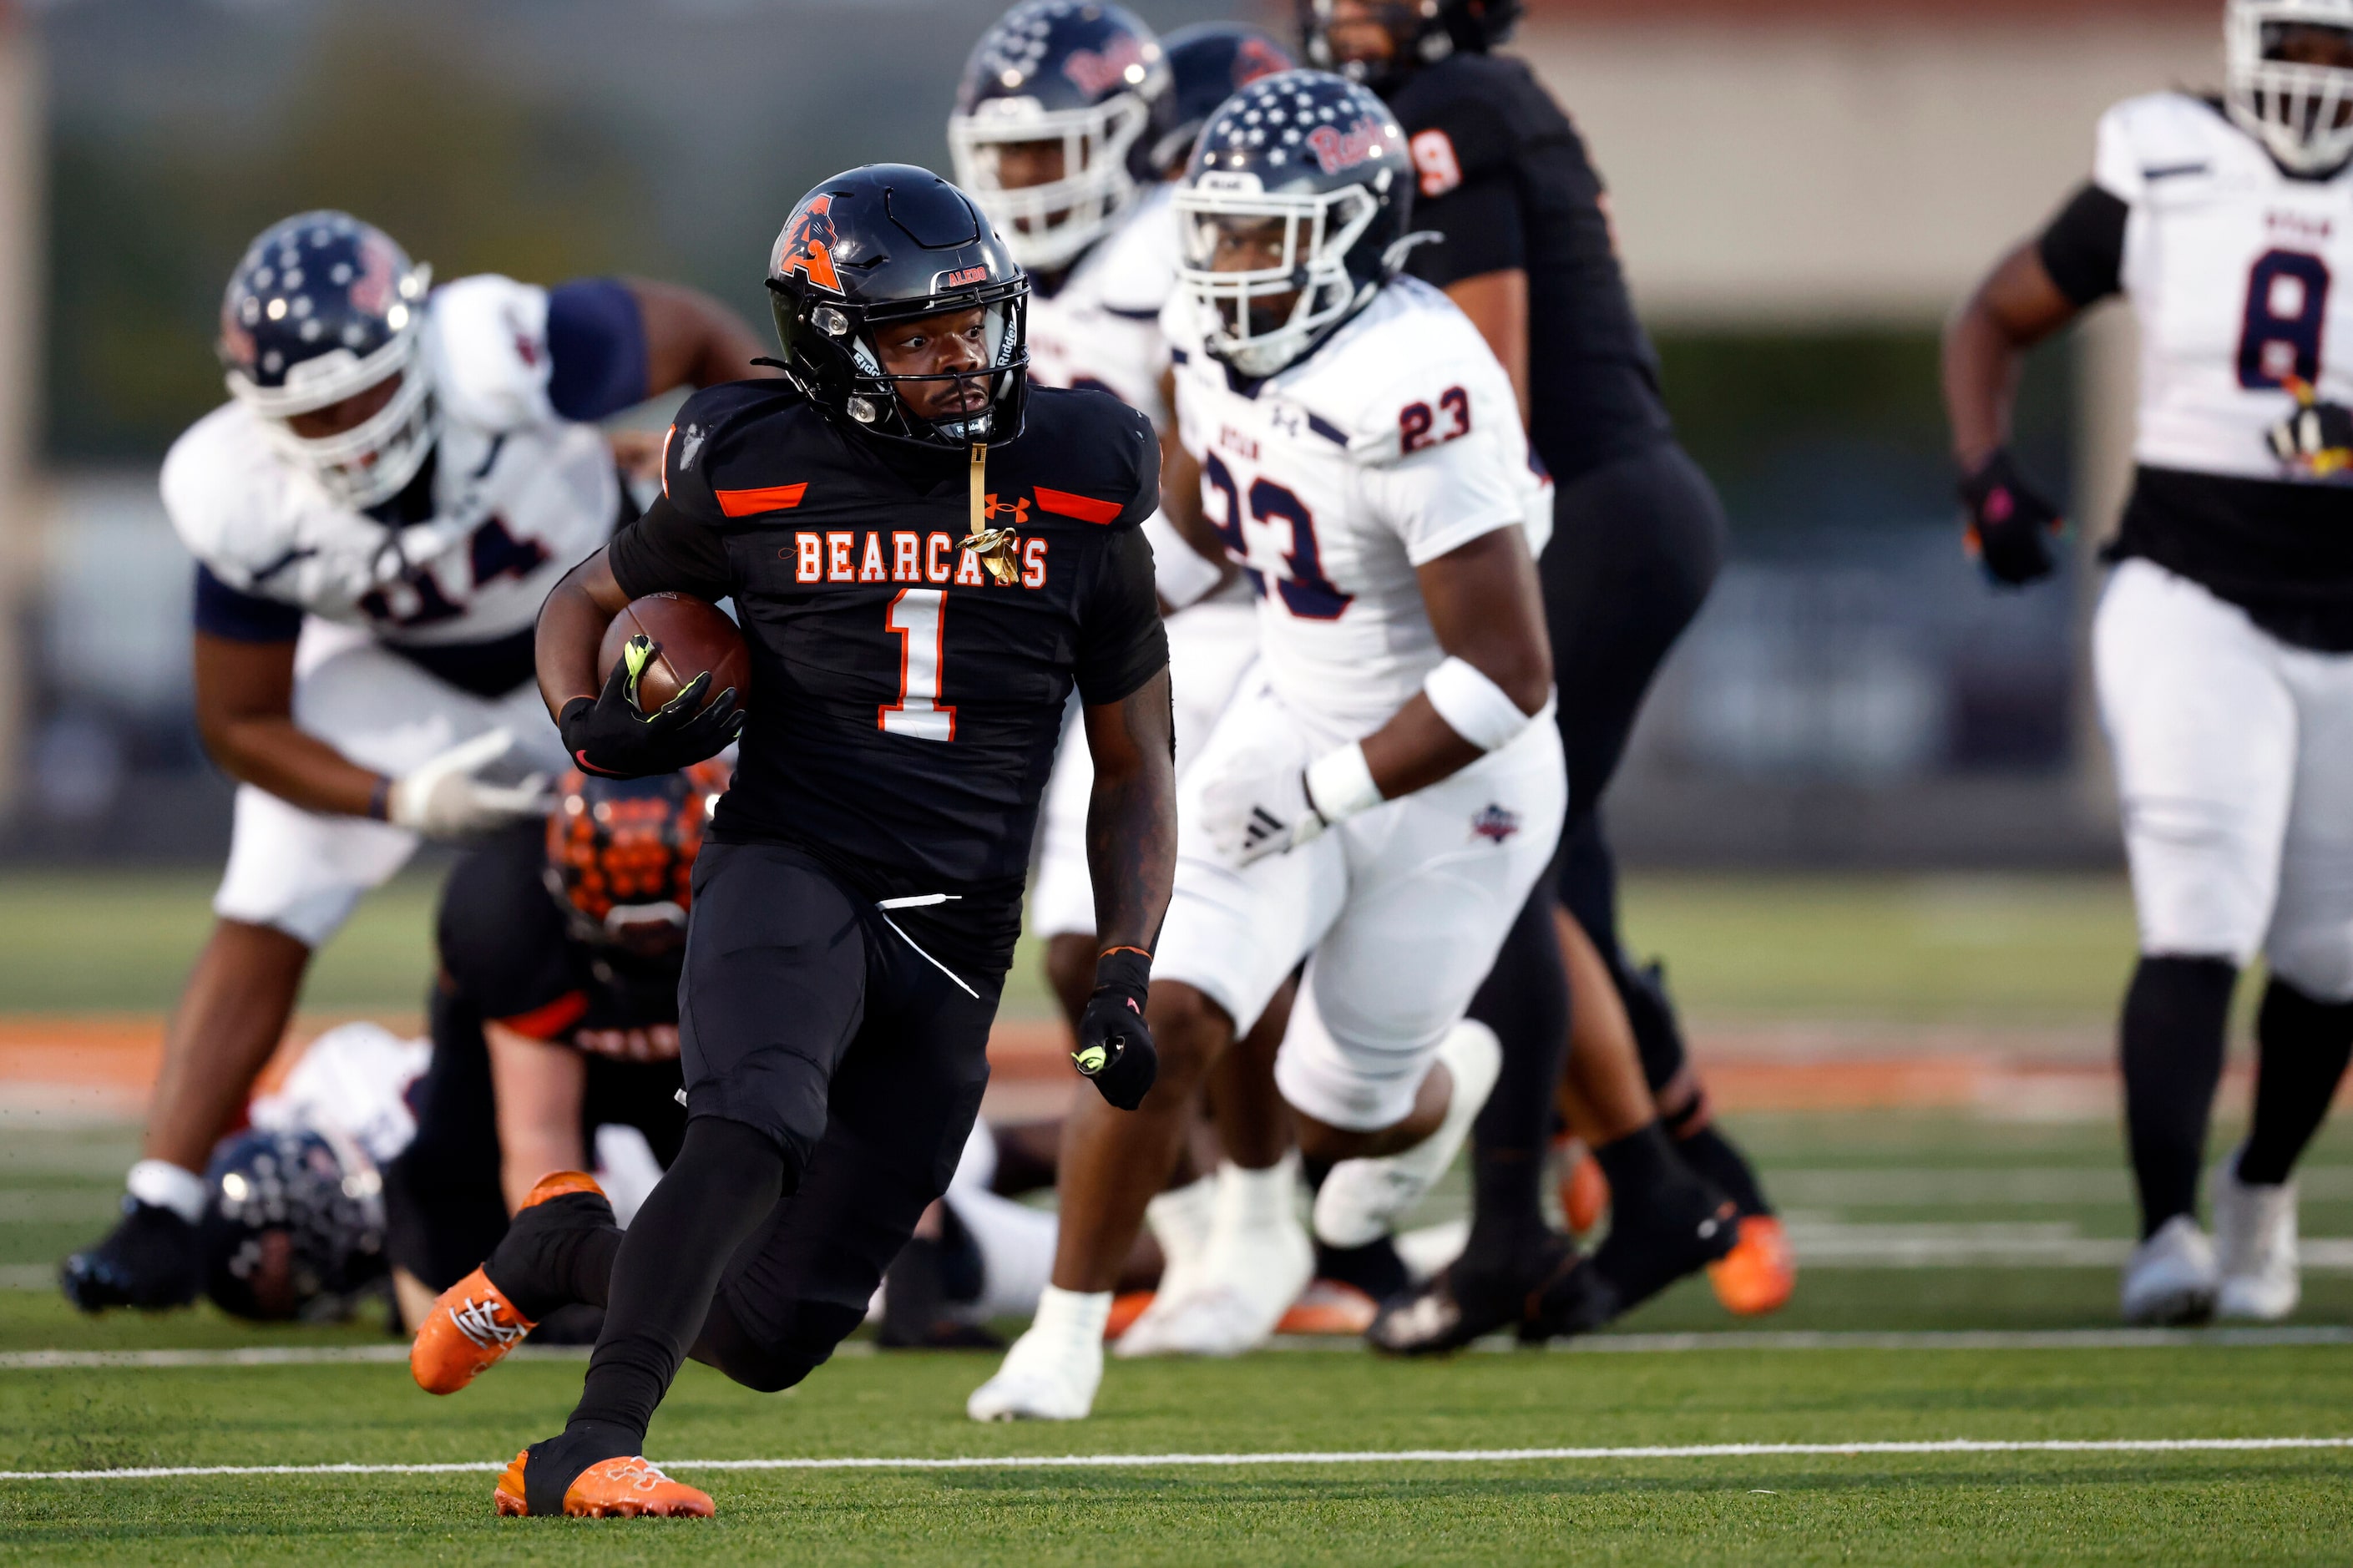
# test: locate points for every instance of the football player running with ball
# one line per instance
(857, 895)
(1071, 120)
(2223, 645)
(1387, 786)
(399, 476)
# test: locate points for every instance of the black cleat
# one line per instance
(1534, 1291)
(150, 1260)
(1676, 1229)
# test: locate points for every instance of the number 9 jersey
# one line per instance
(1332, 480)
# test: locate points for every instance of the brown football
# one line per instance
(693, 637)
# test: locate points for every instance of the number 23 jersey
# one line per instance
(905, 706)
(1395, 442)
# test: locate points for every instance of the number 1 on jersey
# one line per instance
(920, 617)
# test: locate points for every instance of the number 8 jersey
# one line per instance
(2242, 278)
(1331, 481)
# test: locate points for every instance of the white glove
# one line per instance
(443, 799)
(1258, 807)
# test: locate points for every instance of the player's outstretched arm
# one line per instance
(245, 711)
(2019, 304)
(1132, 854)
(692, 340)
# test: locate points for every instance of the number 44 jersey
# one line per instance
(1332, 481)
(905, 703)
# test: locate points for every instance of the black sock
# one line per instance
(1639, 1165)
(2303, 1047)
(1525, 1000)
(911, 1296)
(1715, 1159)
(2176, 1014)
(726, 1180)
(555, 1464)
(557, 1254)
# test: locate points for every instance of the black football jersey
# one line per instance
(508, 952)
(904, 705)
(1505, 177)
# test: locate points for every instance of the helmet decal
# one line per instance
(807, 244)
(1336, 150)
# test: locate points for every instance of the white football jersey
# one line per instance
(1101, 328)
(1331, 481)
(520, 495)
(2231, 267)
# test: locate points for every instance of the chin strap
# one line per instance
(995, 546)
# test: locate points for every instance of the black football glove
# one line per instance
(610, 736)
(2011, 526)
(1114, 1043)
(2318, 438)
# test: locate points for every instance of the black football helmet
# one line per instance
(293, 1225)
(620, 853)
(1208, 63)
(1421, 32)
(1293, 215)
(322, 307)
(890, 242)
(1085, 73)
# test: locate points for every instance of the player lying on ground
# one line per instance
(1381, 795)
(2224, 645)
(1528, 254)
(399, 478)
(857, 898)
(1074, 161)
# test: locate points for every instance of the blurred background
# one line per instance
(1866, 817)
(1803, 188)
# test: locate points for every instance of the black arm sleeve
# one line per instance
(666, 549)
(2083, 249)
(1482, 227)
(1122, 643)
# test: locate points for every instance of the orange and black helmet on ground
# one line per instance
(620, 852)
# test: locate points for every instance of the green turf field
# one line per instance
(2012, 948)
(1982, 1216)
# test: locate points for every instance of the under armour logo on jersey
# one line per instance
(1496, 823)
(480, 1322)
(1018, 511)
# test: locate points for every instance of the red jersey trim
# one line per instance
(547, 1022)
(773, 498)
(1086, 508)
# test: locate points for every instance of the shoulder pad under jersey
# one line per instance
(1089, 458)
(1139, 262)
(730, 445)
(486, 349)
(1411, 353)
(2164, 136)
(234, 503)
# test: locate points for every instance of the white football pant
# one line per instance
(2234, 760)
(304, 872)
(1402, 910)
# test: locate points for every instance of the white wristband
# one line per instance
(1340, 784)
(1473, 705)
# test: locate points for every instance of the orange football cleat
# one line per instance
(609, 1489)
(1125, 1308)
(1759, 1272)
(473, 1325)
(1584, 1190)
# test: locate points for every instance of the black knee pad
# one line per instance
(772, 1360)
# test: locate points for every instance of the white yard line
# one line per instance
(1343, 1456)
(1959, 1340)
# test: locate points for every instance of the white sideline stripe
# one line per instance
(1222, 1461)
(1787, 1340)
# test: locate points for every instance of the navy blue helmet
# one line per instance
(890, 242)
(1208, 63)
(323, 308)
(1293, 215)
(1420, 33)
(1079, 88)
(293, 1225)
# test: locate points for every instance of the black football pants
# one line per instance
(833, 1072)
(1636, 546)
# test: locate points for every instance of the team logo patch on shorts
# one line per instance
(1496, 823)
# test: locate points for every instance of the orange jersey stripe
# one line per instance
(1086, 508)
(748, 503)
(550, 1020)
